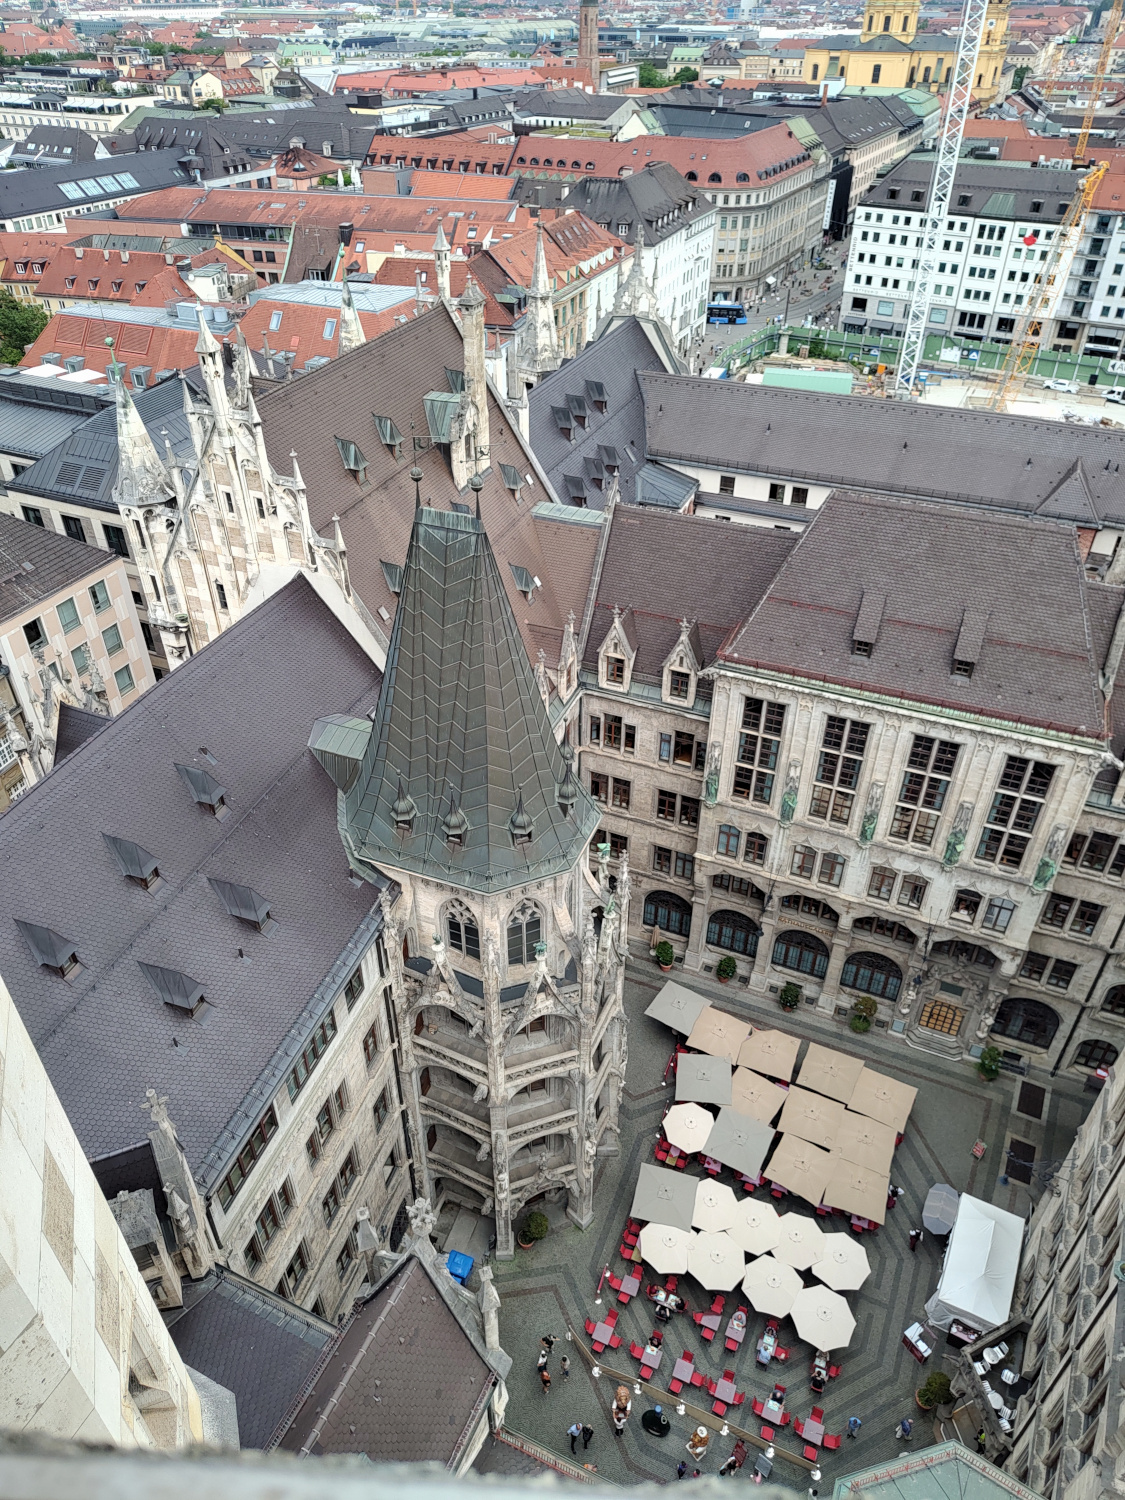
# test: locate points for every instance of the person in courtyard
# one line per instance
(574, 1432)
(904, 1429)
(854, 1424)
(545, 1377)
(915, 1239)
(681, 1468)
(622, 1407)
(564, 1366)
(587, 1434)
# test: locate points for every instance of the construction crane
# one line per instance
(1112, 23)
(1050, 282)
(941, 188)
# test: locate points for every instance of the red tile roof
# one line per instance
(156, 348)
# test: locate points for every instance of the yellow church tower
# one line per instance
(897, 18)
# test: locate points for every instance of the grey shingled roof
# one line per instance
(461, 729)
(1038, 663)
(39, 189)
(249, 698)
(654, 194)
(36, 563)
(259, 1346)
(986, 184)
(36, 413)
(75, 727)
(1003, 462)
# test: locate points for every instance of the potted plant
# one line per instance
(665, 955)
(934, 1391)
(988, 1064)
(864, 1011)
(533, 1228)
(789, 997)
(726, 969)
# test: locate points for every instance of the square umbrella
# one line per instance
(812, 1117)
(771, 1286)
(664, 1197)
(857, 1190)
(829, 1072)
(773, 1053)
(706, 1080)
(822, 1318)
(665, 1248)
(939, 1212)
(753, 1095)
(868, 1143)
(757, 1227)
(688, 1126)
(715, 1206)
(739, 1142)
(800, 1241)
(718, 1034)
(716, 1262)
(883, 1098)
(677, 1007)
(801, 1167)
(844, 1266)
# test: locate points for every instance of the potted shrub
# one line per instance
(533, 1228)
(988, 1064)
(934, 1391)
(790, 996)
(665, 955)
(726, 969)
(864, 1011)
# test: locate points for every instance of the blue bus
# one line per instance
(726, 312)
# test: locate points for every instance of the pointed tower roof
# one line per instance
(142, 478)
(538, 352)
(635, 296)
(351, 329)
(461, 776)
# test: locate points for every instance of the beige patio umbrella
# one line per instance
(773, 1053)
(753, 1095)
(665, 1248)
(716, 1262)
(718, 1034)
(857, 1190)
(757, 1227)
(811, 1116)
(688, 1126)
(771, 1286)
(829, 1072)
(702, 1080)
(716, 1207)
(883, 1098)
(822, 1318)
(801, 1167)
(677, 1007)
(799, 1243)
(844, 1266)
(869, 1143)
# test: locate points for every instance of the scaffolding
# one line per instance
(1113, 21)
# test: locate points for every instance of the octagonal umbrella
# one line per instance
(665, 1248)
(716, 1262)
(756, 1228)
(799, 1242)
(844, 1266)
(771, 1286)
(688, 1126)
(716, 1207)
(822, 1318)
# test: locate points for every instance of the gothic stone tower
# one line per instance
(588, 39)
(507, 950)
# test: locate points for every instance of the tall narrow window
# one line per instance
(759, 745)
(525, 930)
(1015, 810)
(923, 791)
(838, 769)
(464, 934)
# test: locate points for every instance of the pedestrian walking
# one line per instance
(545, 1377)
(564, 1366)
(548, 1341)
(854, 1424)
(541, 1362)
(982, 1440)
(681, 1468)
(574, 1432)
(904, 1429)
(622, 1407)
(893, 1195)
(587, 1434)
(915, 1239)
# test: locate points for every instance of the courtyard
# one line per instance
(552, 1287)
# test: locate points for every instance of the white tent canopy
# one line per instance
(981, 1264)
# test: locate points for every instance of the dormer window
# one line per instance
(136, 864)
(204, 789)
(353, 459)
(862, 648)
(962, 668)
(615, 670)
(679, 685)
(50, 949)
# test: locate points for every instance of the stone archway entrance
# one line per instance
(940, 1016)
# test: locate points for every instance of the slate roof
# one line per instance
(42, 190)
(37, 414)
(75, 726)
(613, 360)
(569, 104)
(653, 194)
(999, 190)
(404, 1383)
(249, 699)
(461, 731)
(1037, 664)
(1002, 462)
(257, 1345)
(36, 563)
(720, 573)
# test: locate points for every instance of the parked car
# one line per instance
(1070, 386)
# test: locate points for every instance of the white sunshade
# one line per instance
(677, 1007)
(716, 1207)
(719, 1034)
(978, 1276)
(688, 1126)
(800, 1241)
(665, 1248)
(771, 1286)
(740, 1142)
(844, 1266)
(716, 1262)
(757, 1227)
(663, 1196)
(822, 1318)
(702, 1080)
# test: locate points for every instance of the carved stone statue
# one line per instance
(955, 843)
(711, 779)
(789, 794)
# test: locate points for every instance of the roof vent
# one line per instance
(204, 789)
(389, 434)
(403, 810)
(520, 826)
(353, 459)
(136, 864)
(245, 904)
(180, 991)
(392, 572)
(455, 825)
(50, 949)
(568, 788)
(526, 581)
(868, 621)
(512, 478)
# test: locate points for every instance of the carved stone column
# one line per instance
(830, 984)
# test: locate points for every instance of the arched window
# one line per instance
(1095, 1054)
(1027, 1021)
(692, 176)
(801, 951)
(885, 927)
(715, 177)
(733, 930)
(669, 912)
(525, 929)
(872, 974)
(461, 927)
(1114, 1001)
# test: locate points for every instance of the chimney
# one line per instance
(124, 257)
(78, 254)
(824, 93)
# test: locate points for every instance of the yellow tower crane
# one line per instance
(1113, 21)
(1052, 278)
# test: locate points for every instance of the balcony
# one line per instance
(529, 1061)
(460, 1109)
(453, 1049)
(449, 1157)
(542, 1116)
(527, 1167)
